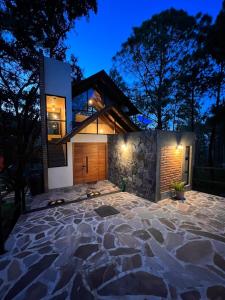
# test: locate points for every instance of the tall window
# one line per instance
(187, 164)
(56, 129)
(56, 117)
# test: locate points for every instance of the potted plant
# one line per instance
(123, 184)
(179, 189)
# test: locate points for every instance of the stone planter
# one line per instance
(180, 195)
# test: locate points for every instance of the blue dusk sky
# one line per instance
(96, 40)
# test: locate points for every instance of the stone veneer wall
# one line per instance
(171, 162)
(133, 157)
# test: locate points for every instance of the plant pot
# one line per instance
(180, 195)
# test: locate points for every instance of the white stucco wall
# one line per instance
(58, 83)
(63, 176)
(57, 77)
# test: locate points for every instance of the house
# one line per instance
(88, 135)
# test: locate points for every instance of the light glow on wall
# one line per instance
(124, 146)
(180, 147)
(126, 152)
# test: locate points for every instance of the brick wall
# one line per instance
(170, 166)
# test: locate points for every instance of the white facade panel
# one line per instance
(58, 83)
(62, 176)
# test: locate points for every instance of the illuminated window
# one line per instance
(91, 128)
(102, 125)
(86, 104)
(56, 117)
(106, 126)
(56, 129)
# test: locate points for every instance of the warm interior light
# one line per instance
(90, 102)
(101, 131)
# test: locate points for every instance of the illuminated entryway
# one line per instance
(89, 162)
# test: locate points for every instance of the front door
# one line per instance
(89, 162)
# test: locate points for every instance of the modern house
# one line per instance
(84, 126)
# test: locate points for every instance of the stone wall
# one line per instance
(133, 157)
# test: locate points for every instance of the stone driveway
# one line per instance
(72, 194)
(168, 250)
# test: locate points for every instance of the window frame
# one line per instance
(188, 160)
(46, 127)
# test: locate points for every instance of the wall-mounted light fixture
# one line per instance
(124, 146)
(180, 147)
(90, 101)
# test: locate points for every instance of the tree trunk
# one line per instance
(159, 116)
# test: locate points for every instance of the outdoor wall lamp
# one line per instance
(124, 146)
(180, 147)
(125, 143)
(90, 102)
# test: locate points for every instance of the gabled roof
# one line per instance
(124, 121)
(103, 83)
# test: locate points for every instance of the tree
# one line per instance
(215, 45)
(217, 115)
(22, 37)
(149, 58)
(192, 79)
(119, 81)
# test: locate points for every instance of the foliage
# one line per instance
(149, 57)
(28, 27)
(178, 186)
(119, 81)
(174, 65)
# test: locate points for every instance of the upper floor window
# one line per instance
(56, 117)
(86, 104)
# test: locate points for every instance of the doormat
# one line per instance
(106, 210)
(56, 202)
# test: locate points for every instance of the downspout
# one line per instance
(43, 121)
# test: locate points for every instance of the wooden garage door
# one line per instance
(89, 162)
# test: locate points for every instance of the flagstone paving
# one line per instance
(164, 250)
(73, 193)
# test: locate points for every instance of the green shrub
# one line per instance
(178, 186)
